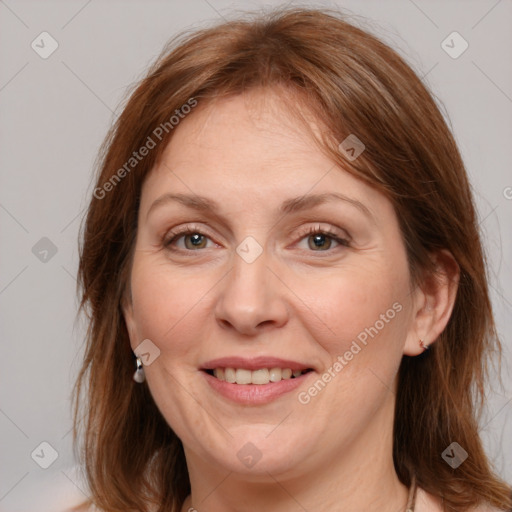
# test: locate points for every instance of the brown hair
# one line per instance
(354, 84)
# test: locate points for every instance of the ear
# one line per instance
(129, 319)
(433, 302)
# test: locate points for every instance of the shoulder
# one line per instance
(486, 508)
(426, 502)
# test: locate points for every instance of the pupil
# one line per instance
(196, 239)
(320, 241)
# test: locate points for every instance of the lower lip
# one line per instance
(254, 394)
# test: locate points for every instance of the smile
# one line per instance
(259, 377)
(254, 381)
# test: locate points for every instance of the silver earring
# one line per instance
(139, 375)
(424, 346)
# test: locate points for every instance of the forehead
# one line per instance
(249, 147)
(243, 125)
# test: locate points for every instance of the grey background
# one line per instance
(55, 113)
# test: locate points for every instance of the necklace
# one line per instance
(411, 501)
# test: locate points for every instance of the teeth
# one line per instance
(261, 376)
(275, 374)
(243, 376)
(230, 375)
(286, 373)
(219, 373)
(258, 376)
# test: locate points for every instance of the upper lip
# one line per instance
(254, 363)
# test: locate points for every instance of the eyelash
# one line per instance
(173, 236)
(317, 230)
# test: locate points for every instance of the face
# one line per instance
(258, 257)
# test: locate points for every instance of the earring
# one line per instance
(424, 346)
(139, 375)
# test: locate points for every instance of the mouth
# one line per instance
(259, 377)
(254, 381)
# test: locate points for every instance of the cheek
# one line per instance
(164, 302)
(367, 306)
(366, 314)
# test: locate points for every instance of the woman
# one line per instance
(282, 244)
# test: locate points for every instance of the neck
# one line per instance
(359, 479)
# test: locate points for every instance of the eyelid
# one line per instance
(337, 234)
(187, 229)
(327, 230)
(340, 237)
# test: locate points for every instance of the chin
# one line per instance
(255, 453)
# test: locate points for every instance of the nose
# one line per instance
(252, 299)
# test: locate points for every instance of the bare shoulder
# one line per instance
(486, 508)
(426, 502)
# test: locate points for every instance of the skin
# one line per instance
(295, 301)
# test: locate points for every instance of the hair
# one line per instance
(353, 84)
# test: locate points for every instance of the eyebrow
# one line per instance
(305, 202)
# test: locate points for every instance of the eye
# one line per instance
(188, 239)
(321, 240)
(316, 238)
